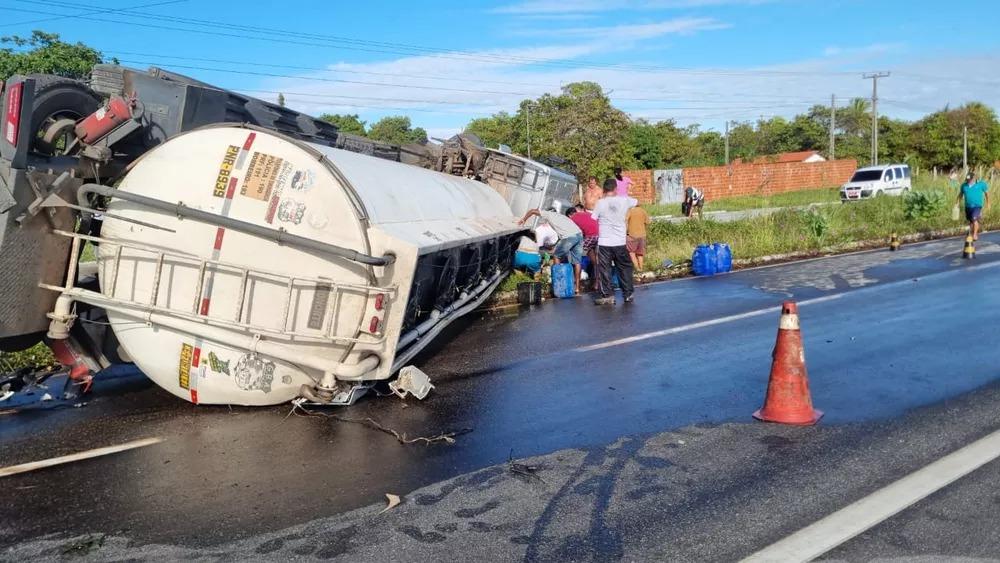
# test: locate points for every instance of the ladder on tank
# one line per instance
(199, 311)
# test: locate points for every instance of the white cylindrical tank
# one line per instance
(217, 315)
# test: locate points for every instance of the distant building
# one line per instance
(801, 156)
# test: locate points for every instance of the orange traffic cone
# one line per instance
(788, 400)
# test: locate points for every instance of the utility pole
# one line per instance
(833, 126)
(965, 150)
(528, 119)
(874, 76)
(727, 142)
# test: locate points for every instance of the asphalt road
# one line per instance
(637, 418)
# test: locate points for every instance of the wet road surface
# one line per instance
(883, 335)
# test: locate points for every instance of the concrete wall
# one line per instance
(750, 179)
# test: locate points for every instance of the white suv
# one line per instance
(873, 181)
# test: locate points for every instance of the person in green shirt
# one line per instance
(976, 196)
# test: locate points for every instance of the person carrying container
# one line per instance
(565, 237)
(610, 213)
(976, 196)
(693, 197)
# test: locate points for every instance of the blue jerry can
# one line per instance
(562, 281)
(723, 258)
(703, 260)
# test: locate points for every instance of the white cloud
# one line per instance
(635, 32)
(535, 7)
(873, 49)
(443, 92)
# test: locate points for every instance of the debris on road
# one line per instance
(392, 502)
(523, 470)
(411, 381)
(446, 437)
(84, 546)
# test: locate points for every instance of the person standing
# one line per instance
(635, 234)
(611, 212)
(592, 194)
(976, 196)
(622, 183)
(568, 246)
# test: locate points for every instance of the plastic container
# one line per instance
(562, 281)
(723, 257)
(530, 261)
(703, 260)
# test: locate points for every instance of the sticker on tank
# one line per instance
(184, 366)
(303, 180)
(261, 176)
(291, 211)
(217, 365)
(254, 373)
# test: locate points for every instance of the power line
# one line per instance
(96, 12)
(391, 48)
(384, 84)
(427, 76)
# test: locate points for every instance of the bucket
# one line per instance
(529, 293)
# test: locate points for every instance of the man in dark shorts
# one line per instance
(976, 196)
(588, 225)
(635, 231)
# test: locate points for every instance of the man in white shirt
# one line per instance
(611, 212)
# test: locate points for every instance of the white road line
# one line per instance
(32, 466)
(702, 324)
(837, 528)
(766, 310)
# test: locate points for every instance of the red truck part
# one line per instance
(12, 115)
(118, 110)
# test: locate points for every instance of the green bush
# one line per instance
(816, 223)
(925, 204)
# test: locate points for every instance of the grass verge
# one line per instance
(787, 199)
(793, 230)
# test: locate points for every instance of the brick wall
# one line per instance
(642, 185)
(750, 179)
(766, 179)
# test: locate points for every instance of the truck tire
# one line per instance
(58, 98)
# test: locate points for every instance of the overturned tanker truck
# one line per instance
(245, 253)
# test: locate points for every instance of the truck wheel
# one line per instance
(58, 98)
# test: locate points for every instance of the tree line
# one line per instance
(580, 129)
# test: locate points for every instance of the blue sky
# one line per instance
(443, 63)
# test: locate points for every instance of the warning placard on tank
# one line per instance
(184, 368)
(261, 176)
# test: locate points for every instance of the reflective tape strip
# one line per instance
(789, 322)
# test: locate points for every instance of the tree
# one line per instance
(937, 138)
(348, 123)
(499, 129)
(397, 130)
(645, 145)
(47, 54)
(281, 99)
